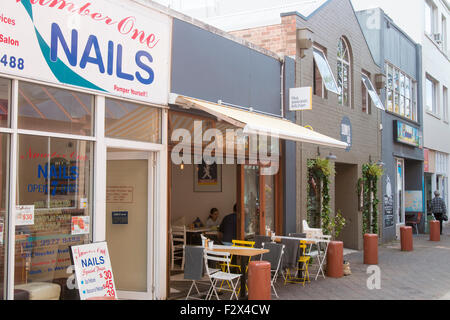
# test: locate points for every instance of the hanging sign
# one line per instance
(300, 99)
(406, 134)
(115, 47)
(93, 270)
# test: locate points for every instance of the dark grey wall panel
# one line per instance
(210, 67)
(290, 159)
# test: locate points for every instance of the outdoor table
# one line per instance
(310, 242)
(245, 253)
(193, 234)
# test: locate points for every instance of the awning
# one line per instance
(256, 123)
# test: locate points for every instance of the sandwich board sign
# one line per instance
(93, 270)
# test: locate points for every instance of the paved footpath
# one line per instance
(423, 274)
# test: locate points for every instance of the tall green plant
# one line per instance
(322, 170)
(371, 174)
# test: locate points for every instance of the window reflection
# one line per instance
(53, 210)
(55, 110)
(132, 121)
(5, 98)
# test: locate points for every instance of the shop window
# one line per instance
(50, 109)
(53, 212)
(5, 98)
(131, 121)
(3, 207)
(344, 72)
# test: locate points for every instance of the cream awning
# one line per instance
(256, 123)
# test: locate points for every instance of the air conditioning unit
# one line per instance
(438, 38)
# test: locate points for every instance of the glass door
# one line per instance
(129, 210)
(252, 208)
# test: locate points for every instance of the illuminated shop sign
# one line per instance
(406, 134)
(115, 47)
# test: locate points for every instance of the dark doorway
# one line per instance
(347, 203)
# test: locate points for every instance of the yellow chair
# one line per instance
(238, 243)
(304, 261)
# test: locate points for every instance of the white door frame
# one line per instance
(141, 155)
(156, 273)
(402, 213)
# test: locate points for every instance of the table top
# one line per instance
(202, 229)
(240, 251)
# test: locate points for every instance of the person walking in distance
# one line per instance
(438, 208)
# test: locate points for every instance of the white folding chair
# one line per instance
(219, 276)
(320, 254)
(274, 256)
(178, 242)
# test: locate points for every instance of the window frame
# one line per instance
(435, 110)
(410, 95)
(323, 55)
(445, 110)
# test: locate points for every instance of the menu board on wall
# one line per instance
(93, 270)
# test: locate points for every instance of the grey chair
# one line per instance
(193, 268)
(274, 256)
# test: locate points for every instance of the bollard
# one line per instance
(406, 238)
(370, 249)
(335, 259)
(435, 230)
(259, 280)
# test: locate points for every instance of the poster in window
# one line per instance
(208, 177)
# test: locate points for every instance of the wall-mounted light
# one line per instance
(182, 165)
(331, 157)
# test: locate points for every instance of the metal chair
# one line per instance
(415, 222)
(178, 242)
(215, 277)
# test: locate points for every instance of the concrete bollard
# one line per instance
(335, 259)
(370, 249)
(406, 238)
(435, 230)
(259, 279)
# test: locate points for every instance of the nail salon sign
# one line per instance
(111, 46)
(93, 271)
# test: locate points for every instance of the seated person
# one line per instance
(213, 219)
(228, 228)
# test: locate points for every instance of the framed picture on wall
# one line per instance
(207, 178)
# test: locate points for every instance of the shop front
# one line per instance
(83, 112)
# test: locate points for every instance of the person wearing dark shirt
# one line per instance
(228, 228)
(438, 208)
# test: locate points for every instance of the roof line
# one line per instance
(306, 17)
